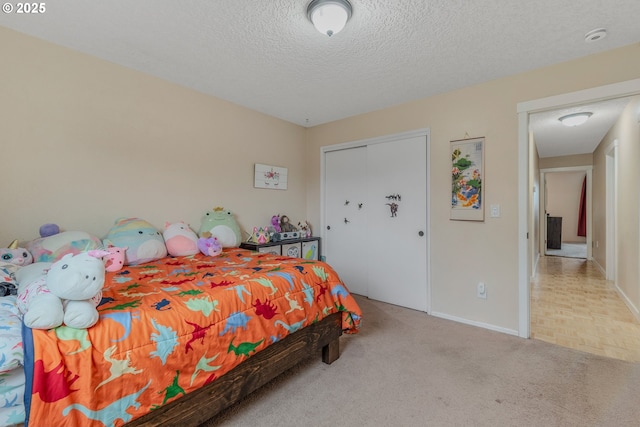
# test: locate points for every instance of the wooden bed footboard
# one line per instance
(203, 404)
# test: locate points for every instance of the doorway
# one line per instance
(572, 304)
(527, 186)
(560, 197)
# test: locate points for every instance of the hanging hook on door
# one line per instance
(346, 203)
(346, 221)
(360, 205)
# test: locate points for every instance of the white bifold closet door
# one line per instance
(379, 252)
(345, 241)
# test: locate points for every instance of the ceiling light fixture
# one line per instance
(575, 119)
(329, 16)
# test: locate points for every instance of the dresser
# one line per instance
(554, 232)
(306, 247)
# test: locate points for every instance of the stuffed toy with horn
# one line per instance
(16, 255)
(12, 259)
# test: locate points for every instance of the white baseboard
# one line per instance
(599, 267)
(474, 323)
(632, 308)
(534, 268)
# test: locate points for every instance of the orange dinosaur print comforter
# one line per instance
(169, 327)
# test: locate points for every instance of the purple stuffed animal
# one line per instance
(275, 223)
(209, 246)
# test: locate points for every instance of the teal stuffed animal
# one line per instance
(143, 241)
(221, 224)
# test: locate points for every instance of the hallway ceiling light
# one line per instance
(329, 16)
(575, 119)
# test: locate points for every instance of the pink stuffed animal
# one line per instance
(115, 259)
(260, 235)
(180, 239)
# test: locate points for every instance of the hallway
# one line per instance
(573, 306)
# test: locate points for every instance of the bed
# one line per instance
(180, 339)
(12, 381)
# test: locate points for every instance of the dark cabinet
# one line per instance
(554, 232)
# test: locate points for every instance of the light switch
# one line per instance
(495, 211)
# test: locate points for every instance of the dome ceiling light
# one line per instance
(575, 119)
(329, 16)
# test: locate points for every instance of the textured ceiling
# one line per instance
(555, 139)
(267, 56)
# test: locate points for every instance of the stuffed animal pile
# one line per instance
(59, 277)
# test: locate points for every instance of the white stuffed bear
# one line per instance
(67, 291)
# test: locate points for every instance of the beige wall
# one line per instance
(566, 161)
(599, 206)
(563, 199)
(85, 141)
(489, 110)
(626, 133)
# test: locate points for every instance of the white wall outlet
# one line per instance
(481, 290)
(495, 211)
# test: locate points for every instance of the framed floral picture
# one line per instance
(272, 177)
(467, 173)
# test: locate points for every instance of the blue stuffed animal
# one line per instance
(143, 241)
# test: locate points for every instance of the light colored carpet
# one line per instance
(407, 368)
(569, 250)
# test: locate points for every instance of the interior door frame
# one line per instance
(611, 160)
(424, 132)
(588, 170)
(525, 187)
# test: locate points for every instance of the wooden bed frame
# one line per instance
(203, 404)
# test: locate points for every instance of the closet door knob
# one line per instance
(420, 233)
(328, 227)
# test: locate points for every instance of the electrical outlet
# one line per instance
(481, 290)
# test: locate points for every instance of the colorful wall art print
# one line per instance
(467, 172)
(270, 177)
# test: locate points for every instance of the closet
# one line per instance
(375, 217)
